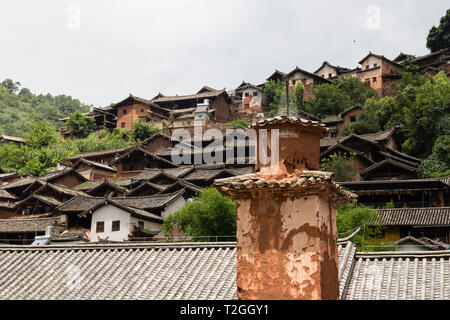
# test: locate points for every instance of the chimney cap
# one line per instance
(291, 120)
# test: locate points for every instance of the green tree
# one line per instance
(40, 134)
(143, 130)
(389, 112)
(409, 65)
(11, 85)
(439, 37)
(438, 163)
(342, 166)
(328, 100)
(430, 106)
(80, 125)
(351, 217)
(211, 214)
(355, 89)
(299, 92)
(273, 92)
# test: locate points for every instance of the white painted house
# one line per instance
(116, 222)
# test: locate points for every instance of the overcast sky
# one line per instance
(100, 51)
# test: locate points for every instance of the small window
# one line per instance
(374, 79)
(368, 81)
(367, 67)
(255, 93)
(375, 65)
(352, 119)
(115, 226)
(247, 94)
(124, 111)
(142, 110)
(122, 124)
(141, 224)
(330, 75)
(100, 227)
(293, 82)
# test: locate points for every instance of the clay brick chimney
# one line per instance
(286, 218)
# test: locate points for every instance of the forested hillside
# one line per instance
(19, 107)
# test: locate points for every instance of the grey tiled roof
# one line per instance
(25, 225)
(124, 271)
(6, 195)
(400, 276)
(415, 216)
(144, 271)
(149, 202)
(80, 204)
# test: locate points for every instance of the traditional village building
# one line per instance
(107, 189)
(7, 204)
(67, 177)
(249, 98)
(134, 109)
(412, 244)
(44, 199)
(376, 155)
(114, 221)
(380, 73)
(431, 63)
(336, 123)
(308, 79)
(277, 75)
(218, 101)
(433, 223)
(105, 118)
(22, 231)
(91, 184)
(94, 170)
(412, 193)
(104, 156)
(8, 177)
(136, 160)
(328, 71)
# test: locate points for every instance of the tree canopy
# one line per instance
(208, 216)
(328, 100)
(19, 110)
(439, 37)
(80, 125)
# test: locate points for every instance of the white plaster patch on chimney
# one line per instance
(300, 269)
(245, 219)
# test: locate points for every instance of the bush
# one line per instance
(80, 126)
(351, 217)
(143, 130)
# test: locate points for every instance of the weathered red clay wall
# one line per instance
(286, 249)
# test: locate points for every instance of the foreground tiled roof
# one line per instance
(400, 276)
(142, 271)
(415, 216)
(123, 271)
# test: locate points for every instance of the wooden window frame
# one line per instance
(97, 227)
(115, 226)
